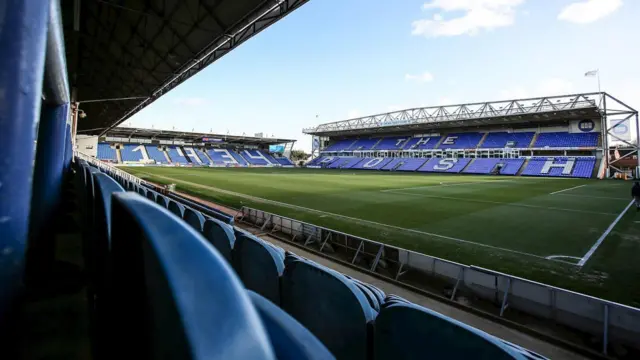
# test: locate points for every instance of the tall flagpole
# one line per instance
(598, 72)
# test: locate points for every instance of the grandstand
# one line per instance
(560, 136)
(97, 262)
(126, 146)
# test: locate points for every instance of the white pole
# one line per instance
(598, 72)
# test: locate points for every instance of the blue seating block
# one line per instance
(105, 152)
(175, 157)
(155, 154)
(158, 263)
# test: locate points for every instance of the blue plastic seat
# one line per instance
(161, 200)
(259, 265)
(176, 208)
(330, 306)
(290, 340)
(151, 195)
(142, 191)
(159, 264)
(406, 331)
(221, 236)
(194, 218)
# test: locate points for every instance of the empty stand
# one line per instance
(221, 157)
(487, 166)
(203, 157)
(176, 155)
(565, 139)
(448, 165)
(461, 141)
(560, 167)
(284, 161)
(420, 143)
(372, 163)
(364, 144)
(340, 145)
(241, 160)
(106, 152)
(499, 140)
(392, 143)
(254, 157)
(132, 152)
(156, 154)
(268, 156)
(410, 164)
(344, 163)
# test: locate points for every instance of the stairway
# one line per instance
(524, 166)
(405, 143)
(535, 138)
(482, 140)
(118, 156)
(470, 162)
(353, 143)
(166, 155)
(397, 166)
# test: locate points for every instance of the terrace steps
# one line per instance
(353, 143)
(469, 164)
(533, 140)
(376, 144)
(118, 156)
(405, 143)
(479, 145)
(166, 155)
(524, 166)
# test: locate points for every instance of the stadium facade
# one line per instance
(579, 135)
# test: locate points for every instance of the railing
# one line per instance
(105, 165)
(610, 321)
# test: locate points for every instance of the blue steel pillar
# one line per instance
(23, 34)
(50, 164)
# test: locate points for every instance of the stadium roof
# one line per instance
(533, 110)
(128, 132)
(140, 49)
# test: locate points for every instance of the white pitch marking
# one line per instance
(595, 246)
(502, 203)
(571, 188)
(445, 185)
(551, 257)
(257, 199)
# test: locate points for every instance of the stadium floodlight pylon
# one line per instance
(613, 115)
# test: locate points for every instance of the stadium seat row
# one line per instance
(469, 140)
(581, 167)
(189, 155)
(167, 281)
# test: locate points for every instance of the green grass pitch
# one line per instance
(509, 224)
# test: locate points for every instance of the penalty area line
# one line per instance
(571, 188)
(595, 246)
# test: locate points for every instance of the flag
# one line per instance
(591, 73)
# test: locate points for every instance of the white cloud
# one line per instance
(354, 113)
(584, 12)
(424, 77)
(477, 15)
(191, 101)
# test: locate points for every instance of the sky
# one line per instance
(334, 60)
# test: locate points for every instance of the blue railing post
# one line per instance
(23, 36)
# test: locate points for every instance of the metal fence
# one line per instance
(610, 321)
